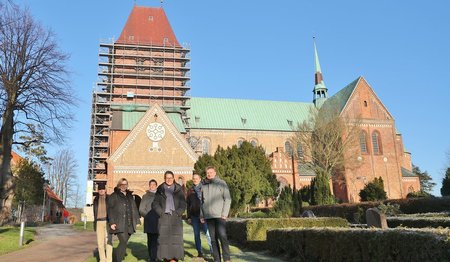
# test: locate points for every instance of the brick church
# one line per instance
(144, 121)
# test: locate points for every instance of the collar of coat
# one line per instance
(128, 192)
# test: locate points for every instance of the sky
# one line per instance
(264, 50)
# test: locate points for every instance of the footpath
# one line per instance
(56, 242)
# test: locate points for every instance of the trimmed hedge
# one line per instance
(418, 222)
(252, 232)
(346, 244)
(407, 206)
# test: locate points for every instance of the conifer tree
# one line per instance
(445, 189)
(373, 191)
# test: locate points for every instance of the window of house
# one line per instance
(299, 150)
(288, 148)
(239, 142)
(254, 143)
(363, 142)
(376, 143)
(205, 146)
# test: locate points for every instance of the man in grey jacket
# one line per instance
(215, 208)
(150, 219)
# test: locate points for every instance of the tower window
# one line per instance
(239, 142)
(376, 143)
(150, 18)
(254, 142)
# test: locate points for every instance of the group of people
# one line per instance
(207, 204)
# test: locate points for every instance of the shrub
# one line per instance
(418, 194)
(390, 210)
(284, 204)
(346, 244)
(445, 189)
(407, 206)
(373, 191)
(418, 222)
(257, 214)
(251, 231)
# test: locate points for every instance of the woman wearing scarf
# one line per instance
(170, 204)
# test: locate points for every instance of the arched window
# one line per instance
(410, 189)
(239, 142)
(363, 142)
(299, 150)
(254, 143)
(205, 146)
(376, 143)
(181, 180)
(288, 148)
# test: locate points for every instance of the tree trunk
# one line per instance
(7, 193)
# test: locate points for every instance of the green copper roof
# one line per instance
(340, 99)
(239, 114)
(407, 173)
(176, 120)
(130, 119)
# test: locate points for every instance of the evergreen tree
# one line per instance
(426, 182)
(247, 171)
(321, 190)
(29, 181)
(445, 189)
(373, 191)
(285, 203)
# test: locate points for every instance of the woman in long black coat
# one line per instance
(123, 216)
(170, 204)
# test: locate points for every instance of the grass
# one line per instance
(137, 249)
(80, 226)
(9, 238)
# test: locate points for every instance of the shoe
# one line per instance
(200, 255)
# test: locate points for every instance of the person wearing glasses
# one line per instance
(170, 204)
(123, 216)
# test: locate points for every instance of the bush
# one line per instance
(445, 189)
(418, 194)
(284, 204)
(257, 214)
(345, 244)
(390, 210)
(373, 191)
(418, 222)
(253, 231)
(407, 206)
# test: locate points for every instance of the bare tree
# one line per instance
(328, 142)
(62, 174)
(33, 88)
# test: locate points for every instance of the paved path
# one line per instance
(56, 242)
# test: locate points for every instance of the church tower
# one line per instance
(320, 90)
(145, 66)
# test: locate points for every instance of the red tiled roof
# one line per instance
(148, 26)
(51, 194)
(15, 158)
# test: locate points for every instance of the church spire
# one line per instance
(320, 90)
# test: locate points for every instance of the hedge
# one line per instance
(418, 222)
(252, 232)
(407, 206)
(347, 244)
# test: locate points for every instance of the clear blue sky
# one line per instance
(263, 50)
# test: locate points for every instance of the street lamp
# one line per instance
(44, 187)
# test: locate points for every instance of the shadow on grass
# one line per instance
(138, 250)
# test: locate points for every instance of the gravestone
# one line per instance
(375, 218)
(308, 213)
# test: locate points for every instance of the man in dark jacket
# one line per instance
(150, 219)
(215, 209)
(123, 216)
(193, 201)
(101, 226)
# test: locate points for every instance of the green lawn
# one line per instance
(9, 238)
(137, 249)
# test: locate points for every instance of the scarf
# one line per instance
(198, 190)
(170, 205)
(101, 212)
